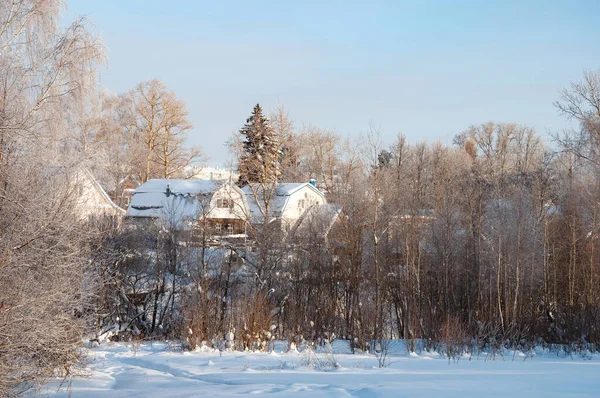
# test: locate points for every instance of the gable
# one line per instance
(301, 200)
(93, 199)
(228, 201)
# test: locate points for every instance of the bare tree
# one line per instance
(290, 144)
(148, 127)
(581, 102)
(45, 75)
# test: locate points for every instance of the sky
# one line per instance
(428, 69)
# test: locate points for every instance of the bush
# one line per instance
(455, 338)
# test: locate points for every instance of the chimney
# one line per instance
(168, 190)
(313, 182)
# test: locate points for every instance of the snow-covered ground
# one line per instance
(157, 370)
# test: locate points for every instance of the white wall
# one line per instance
(298, 203)
(90, 201)
(226, 191)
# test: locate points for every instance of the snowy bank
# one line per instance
(160, 370)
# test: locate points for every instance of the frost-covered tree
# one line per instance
(259, 160)
(46, 74)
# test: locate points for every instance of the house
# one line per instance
(191, 205)
(126, 189)
(220, 208)
(92, 199)
(283, 203)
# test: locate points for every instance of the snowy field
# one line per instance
(157, 370)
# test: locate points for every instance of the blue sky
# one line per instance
(428, 69)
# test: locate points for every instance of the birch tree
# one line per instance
(45, 74)
(143, 132)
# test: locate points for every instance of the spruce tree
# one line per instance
(259, 161)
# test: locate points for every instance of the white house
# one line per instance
(221, 205)
(92, 199)
(185, 203)
(282, 202)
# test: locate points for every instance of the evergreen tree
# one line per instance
(259, 161)
(384, 159)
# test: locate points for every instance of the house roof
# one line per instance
(175, 199)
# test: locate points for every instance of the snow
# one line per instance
(151, 200)
(210, 173)
(317, 219)
(158, 369)
(178, 186)
(93, 199)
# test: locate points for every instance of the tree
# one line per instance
(109, 141)
(260, 160)
(46, 74)
(291, 147)
(142, 133)
(581, 102)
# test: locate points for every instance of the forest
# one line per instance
(486, 243)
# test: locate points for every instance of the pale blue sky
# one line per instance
(426, 68)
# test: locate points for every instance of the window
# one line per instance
(301, 204)
(225, 203)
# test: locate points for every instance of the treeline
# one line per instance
(489, 242)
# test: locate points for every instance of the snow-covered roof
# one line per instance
(173, 199)
(317, 221)
(288, 188)
(276, 196)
